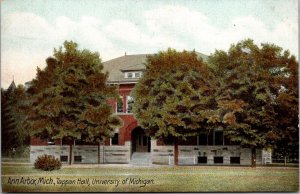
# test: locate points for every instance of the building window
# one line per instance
(129, 104)
(218, 159)
(218, 137)
(115, 139)
(213, 138)
(120, 105)
(202, 160)
(202, 139)
(64, 158)
(77, 158)
(129, 75)
(235, 160)
(137, 74)
(210, 139)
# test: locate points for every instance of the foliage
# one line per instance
(258, 94)
(70, 97)
(47, 163)
(15, 135)
(175, 95)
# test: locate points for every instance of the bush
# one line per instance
(47, 163)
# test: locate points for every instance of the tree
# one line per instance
(253, 87)
(174, 97)
(287, 108)
(14, 134)
(70, 98)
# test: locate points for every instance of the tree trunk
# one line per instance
(253, 157)
(176, 151)
(70, 160)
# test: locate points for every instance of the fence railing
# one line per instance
(285, 161)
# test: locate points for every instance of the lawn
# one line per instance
(105, 178)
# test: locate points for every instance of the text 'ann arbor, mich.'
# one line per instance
(141, 182)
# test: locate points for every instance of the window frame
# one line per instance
(133, 74)
(113, 139)
(122, 105)
(211, 138)
(233, 160)
(218, 158)
(199, 142)
(77, 159)
(137, 74)
(130, 75)
(201, 160)
(127, 97)
(64, 158)
(215, 137)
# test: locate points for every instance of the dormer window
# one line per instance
(133, 74)
(129, 75)
(137, 74)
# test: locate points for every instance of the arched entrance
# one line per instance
(140, 140)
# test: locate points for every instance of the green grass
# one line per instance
(15, 159)
(165, 179)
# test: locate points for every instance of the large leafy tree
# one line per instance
(70, 98)
(175, 96)
(257, 89)
(14, 134)
(287, 107)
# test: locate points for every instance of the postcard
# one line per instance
(149, 96)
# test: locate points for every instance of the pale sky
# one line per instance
(30, 29)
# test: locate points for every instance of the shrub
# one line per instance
(47, 163)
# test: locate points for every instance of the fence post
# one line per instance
(285, 161)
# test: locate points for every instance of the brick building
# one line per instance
(131, 144)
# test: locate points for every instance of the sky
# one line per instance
(31, 29)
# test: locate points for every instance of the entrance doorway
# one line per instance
(140, 141)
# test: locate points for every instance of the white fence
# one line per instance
(285, 161)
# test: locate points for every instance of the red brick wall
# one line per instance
(124, 90)
(129, 122)
(39, 142)
(128, 119)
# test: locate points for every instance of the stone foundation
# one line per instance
(85, 154)
(216, 155)
(162, 154)
(188, 155)
(116, 154)
(204, 155)
(54, 150)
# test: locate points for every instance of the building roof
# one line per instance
(116, 67)
(11, 87)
